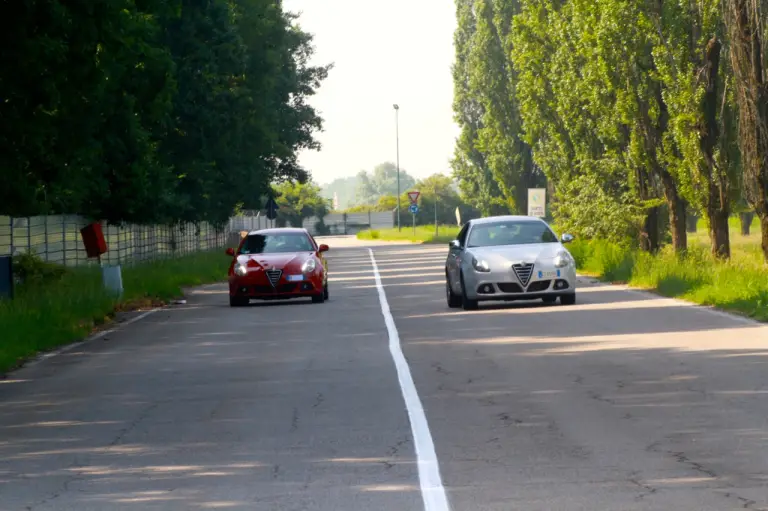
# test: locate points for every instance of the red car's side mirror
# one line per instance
(323, 248)
(231, 252)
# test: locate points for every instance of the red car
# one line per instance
(275, 264)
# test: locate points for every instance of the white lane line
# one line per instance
(432, 491)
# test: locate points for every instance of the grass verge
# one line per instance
(45, 316)
(739, 285)
(423, 234)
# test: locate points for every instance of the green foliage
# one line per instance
(152, 111)
(344, 188)
(609, 100)
(30, 269)
(298, 201)
(382, 181)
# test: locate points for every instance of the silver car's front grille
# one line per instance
(274, 276)
(523, 272)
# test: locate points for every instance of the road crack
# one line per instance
(395, 449)
(125, 431)
(647, 488)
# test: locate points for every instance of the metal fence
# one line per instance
(57, 239)
(335, 223)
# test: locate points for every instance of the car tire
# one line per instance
(325, 292)
(318, 298)
(454, 300)
(549, 299)
(568, 299)
(237, 301)
(467, 303)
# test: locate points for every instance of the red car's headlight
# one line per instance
(309, 266)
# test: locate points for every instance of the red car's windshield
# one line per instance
(276, 243)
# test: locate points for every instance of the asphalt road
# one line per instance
(621, 402)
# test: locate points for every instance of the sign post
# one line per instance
(537, 202)
(414, 207)
(271, 208)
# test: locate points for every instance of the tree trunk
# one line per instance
(676, 206)
(649, 238)
(719, 233)
(744, 20)
(746, 218)
(691, 222)
(764, 231)
(717, 202)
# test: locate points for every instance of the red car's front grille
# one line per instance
(274, 276)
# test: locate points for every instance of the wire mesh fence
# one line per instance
(57, 239)
(333, 223)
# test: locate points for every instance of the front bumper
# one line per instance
(504, 284)
(256, 286)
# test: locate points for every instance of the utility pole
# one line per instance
(397, 141)
(436, 230)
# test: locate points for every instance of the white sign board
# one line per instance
(537, 202)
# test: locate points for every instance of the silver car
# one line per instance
(509, 258)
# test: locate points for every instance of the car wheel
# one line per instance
(466, 303)
(549, 299)
(237, 301)
(454, 300)
(568, 299)
(325, 292)
(318, 298)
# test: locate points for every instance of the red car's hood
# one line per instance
(279, 261)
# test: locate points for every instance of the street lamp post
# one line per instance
(397, 141)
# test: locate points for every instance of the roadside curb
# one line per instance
(43, 356)
(651, 294)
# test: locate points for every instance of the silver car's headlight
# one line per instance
(481, 266)
(308, 266)
(240, 270)
(562, 259)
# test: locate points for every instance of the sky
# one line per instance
(395, 51)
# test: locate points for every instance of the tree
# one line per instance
(492, 161)
(437, 194)
(299, 201)
(343, 188)
(152, 111)
(382, 181)
(748, 49)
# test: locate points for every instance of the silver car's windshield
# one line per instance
(510, 232)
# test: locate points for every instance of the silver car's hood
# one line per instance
(512, 254)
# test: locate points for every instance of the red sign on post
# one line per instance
(414, 196)
(93, 239)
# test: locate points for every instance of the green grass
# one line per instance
(45, 316)
(739, 285)
(424, 234)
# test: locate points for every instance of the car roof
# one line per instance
(280, 230)
(514, 218)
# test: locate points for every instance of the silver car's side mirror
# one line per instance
(566, 238)
(455, 244)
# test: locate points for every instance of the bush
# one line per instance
(30, 269)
